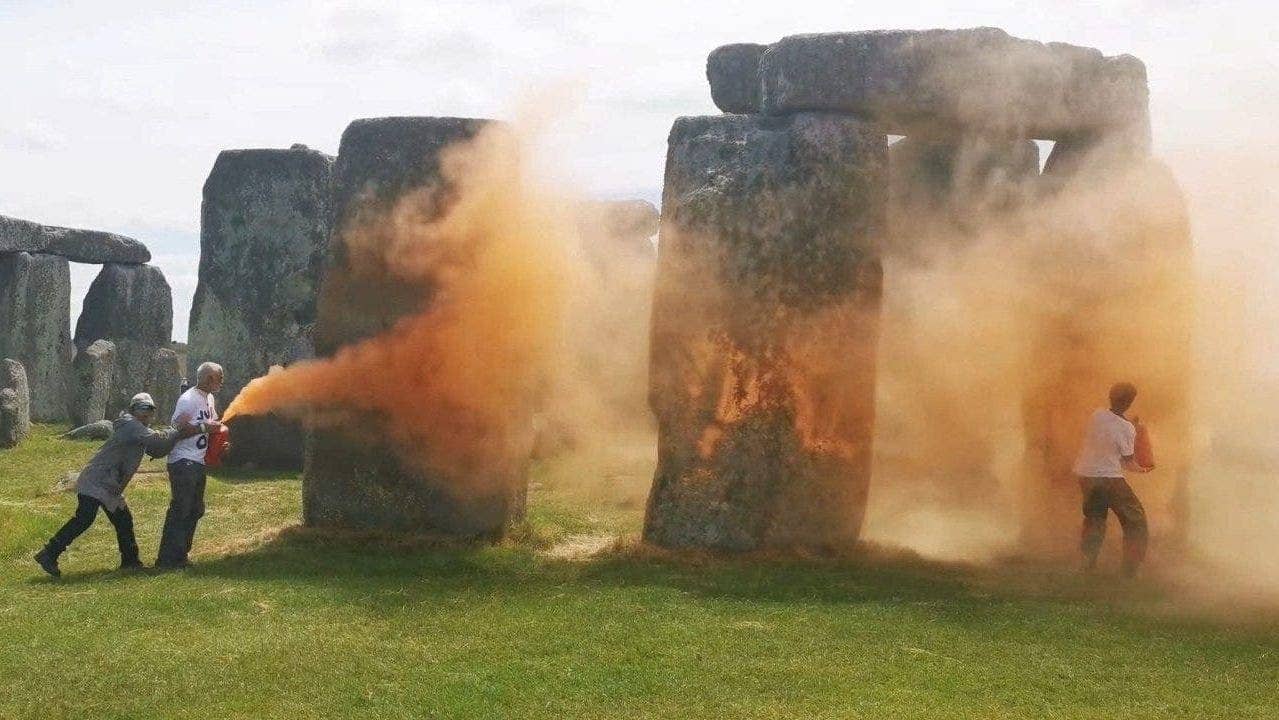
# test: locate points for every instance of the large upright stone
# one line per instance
(945, 191)
(132, 306)
(1122, 284)
(35, 307)
(908, 81)
(15, 403)
(353, 479)
(90, 386)
(87, 246)
(263, 231)
(764, 331)
(616, 229)
(164, 381)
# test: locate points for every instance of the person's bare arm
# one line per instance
(160, 443)
(1129, 463)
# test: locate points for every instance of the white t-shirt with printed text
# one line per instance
(1108, 439)
(194, 405)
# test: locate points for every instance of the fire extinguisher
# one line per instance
(219, 440)
(1143, 451)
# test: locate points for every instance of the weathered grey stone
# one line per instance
(90, 387)
(733, 72)
(15, 403)
(1095, 155)
(181, 349)
(127, 302)
(610, 226)
(35, 306)
(87, 246)
(765, 317)
(10, 419)
(164, 382)
(132, 306)
(944, 191)
(1123, 287)
(360, 482)
(263, 232)
(100, 430)
(909, 81)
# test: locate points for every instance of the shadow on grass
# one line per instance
(384, 573)
(245, 476)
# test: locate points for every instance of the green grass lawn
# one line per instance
(275, 621)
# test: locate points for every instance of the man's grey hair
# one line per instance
(206, 371)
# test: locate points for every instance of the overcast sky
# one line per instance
(113, 113)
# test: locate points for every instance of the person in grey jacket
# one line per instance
(102, 482)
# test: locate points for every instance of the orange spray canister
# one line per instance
(218, 441)
(1143, 451)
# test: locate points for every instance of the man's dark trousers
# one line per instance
(186, 507)
(85, 513)
(1102, 495)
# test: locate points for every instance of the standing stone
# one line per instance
(164, 382)
(86, 246)
(733, 72)
(943, 192)
(263, 231)
(15, 403)
(612, 230)
(90, 386)
(1124, 310)
(764, 331)
(181, 349)
(35, 307)
(353, 479)
(132, 306)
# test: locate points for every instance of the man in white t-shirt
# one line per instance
(186, 468)
(1107, 450)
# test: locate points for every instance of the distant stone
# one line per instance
(181, 349)
(764, 331)
(263, 233)
(611, 329)
(100, 430)
(353, 479)
(908, 81)
(164, 382)
(943, 192)
(127, 302)
(90, 386)
(618, 224)
(733, 72)
(86, 246)
(15, 403)
(132, 306)
(35, 306)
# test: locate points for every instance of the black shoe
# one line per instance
(48, 562)
(132, 566)
(166, 565)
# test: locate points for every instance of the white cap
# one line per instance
(142, 400)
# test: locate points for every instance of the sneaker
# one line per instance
(48, 562)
